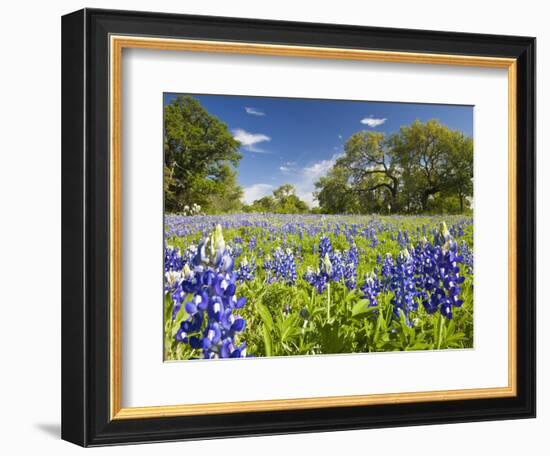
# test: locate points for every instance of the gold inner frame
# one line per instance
(117, 44)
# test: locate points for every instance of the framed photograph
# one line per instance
(277, 227)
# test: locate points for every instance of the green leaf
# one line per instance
(362, 307)
(267, 340)
(455, 337)
(351, 296)
(330, 339)
(265, 315)
(419, 346)
(288, 329)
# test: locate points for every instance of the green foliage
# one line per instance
(200, 156)
(227, 197)
(283, 201)
(423, 168)
(287, 320)
(335, 194)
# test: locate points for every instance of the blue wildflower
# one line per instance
(208, 294)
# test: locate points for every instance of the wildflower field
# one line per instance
(277, 285)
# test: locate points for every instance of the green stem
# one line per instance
(441, 323)
(328, 302)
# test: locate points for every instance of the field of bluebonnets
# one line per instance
(274, 285)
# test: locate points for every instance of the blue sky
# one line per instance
(296, 140)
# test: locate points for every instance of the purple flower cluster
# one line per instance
(282, 267)
(173, 260)
(325, 247)
(246, 270)
(334, 266)
(208, 293)
(371, 289)
(430, 274)
(401, 239)
(439, 276)
(468, 256)
(351, 262)
(401, 280)
(235, 248)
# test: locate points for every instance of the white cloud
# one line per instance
(303, 180)
(319, 168)
(288, 167)
(249, 140)
(256, 191)
(373, 122)
(311, 174)
(254, 111)
(340, 136)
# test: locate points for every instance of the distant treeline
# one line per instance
(422, 168)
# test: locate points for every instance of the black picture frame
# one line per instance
(85, 227)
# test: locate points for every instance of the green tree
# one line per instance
(287, 202)
(461, 159)
(265, 204)
(200, 156)
(334, 193)
(226, 198)
(372, 167)
(424, 167)
(283, 201)
(434, 160)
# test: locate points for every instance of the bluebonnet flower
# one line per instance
(401, 239)
(398, 277)
(171, 280)
(235, 249)
(282, 267)
(316, 279)
(374, 240)
(325, 247)
(334, 266)
(439, 276)
(442, 235)
(351, 261)
(268, 264)
(173, 261)
(457, 230)
(403, 285)
(246, 270)
(371, 289)
(208, 294)
(387, 269)
(467, 255)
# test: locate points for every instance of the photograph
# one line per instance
(283, 224)
(297, 227)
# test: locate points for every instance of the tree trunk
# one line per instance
(393, 193)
